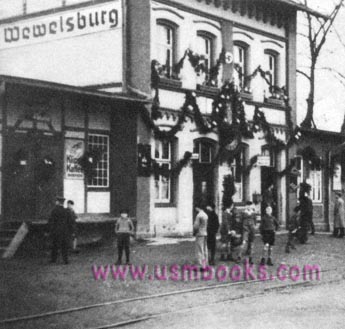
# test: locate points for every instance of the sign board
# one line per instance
(65, 24)
(264, 161)
(74, 149)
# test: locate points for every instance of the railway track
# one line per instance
(167, 297)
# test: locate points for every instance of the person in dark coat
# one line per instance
(212, 229)
(61, 228)
(74, 217)
(269, 224)
(339, 216)
(292, 230)
(306, 217)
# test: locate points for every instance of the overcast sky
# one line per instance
(330, 93)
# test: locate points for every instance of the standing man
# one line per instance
(339, 216)
(212, 229)
(200, 230)
(61, 227)
(306, 216)
(70, 209)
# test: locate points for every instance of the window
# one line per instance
(205, 47)
(237, 172)
(205, 151)
(33, 6)
(99, 145)
(267, 152)
(315, 180)
(272, 67)
(165, 46)
(299, 166)
(240, 59)
(163, 158)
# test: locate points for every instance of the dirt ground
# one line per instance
(30, 285)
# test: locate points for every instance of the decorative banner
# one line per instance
(337, 177)
(74, 150)
(144, 160)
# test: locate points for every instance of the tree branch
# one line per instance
(304, 74)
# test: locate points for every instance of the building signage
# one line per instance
(264, 161)
(69, 23)
(74, 150)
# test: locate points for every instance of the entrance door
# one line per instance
(32, 175)
(203, 174)
(268, 189)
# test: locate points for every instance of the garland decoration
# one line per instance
(45, 169)
(89, 160)
(260, 123)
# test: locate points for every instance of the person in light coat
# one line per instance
(339, 216)
(200, 231)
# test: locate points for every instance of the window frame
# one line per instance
(198, 144)
(315, 176)
(107, 186)
(160, 160)
(169, 71)
(245, 67)
(211, 38)
(274, 75)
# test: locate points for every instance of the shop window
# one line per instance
(241, 51)
(271, 59)
(166, 46)
(99, 145)
(205, 48)
(163, 157)
(236, 168)
(315, 180)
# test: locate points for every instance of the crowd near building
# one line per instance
(111, 103)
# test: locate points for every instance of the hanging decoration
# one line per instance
(88, 161)
(45, 169)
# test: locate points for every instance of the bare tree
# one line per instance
(318, 30)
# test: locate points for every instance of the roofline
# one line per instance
(325, 133)
(304, 8)
(70, 89)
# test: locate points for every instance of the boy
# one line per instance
(200, 229)
(70, 209)
(224, 233)
(124, 229)
(212, 229)
(236, 231)
(292, 229)
(267, 228)
(248, 222)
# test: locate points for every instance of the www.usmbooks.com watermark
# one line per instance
(220, 273)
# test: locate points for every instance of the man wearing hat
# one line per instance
(339, 216)
(60, 227)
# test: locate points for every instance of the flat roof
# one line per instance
(72, 89)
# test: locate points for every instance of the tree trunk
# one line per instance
(308, 122)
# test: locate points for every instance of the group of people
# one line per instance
(62, 228)
(237, 234)
(237, 231)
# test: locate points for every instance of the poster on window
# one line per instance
(74, 149)
(337, 177)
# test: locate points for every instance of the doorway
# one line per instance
(32, 174)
